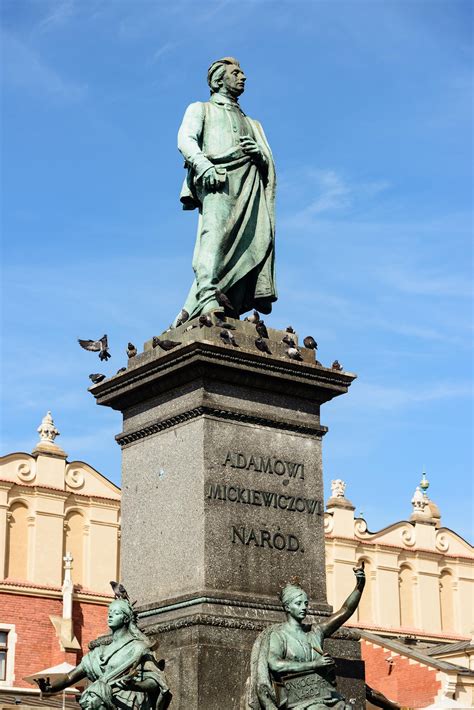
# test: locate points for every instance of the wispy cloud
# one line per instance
(24, 68)
(163, 49)
(59, 13)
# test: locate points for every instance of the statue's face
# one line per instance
(298, 607)
(233, 81)
(116, 617)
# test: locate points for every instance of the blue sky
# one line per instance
(367, 107)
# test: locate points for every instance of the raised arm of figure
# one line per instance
(348, 608)
(74, 676)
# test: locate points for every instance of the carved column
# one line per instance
(222, 501)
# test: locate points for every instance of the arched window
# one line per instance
(74, 543)
(17, 546)
(405, 582)
(365, 610)
(446, 600)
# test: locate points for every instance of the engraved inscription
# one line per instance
(264, 464)
(265, 538)
(265, 499)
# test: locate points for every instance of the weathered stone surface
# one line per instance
(222, 497)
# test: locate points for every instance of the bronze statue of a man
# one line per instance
(231, 181)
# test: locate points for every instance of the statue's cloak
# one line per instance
(235, 242)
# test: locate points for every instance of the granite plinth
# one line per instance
(222, 497)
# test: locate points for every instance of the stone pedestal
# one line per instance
(222, 501)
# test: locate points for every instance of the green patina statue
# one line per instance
(231, 181)
(124, 673)
(289, 668)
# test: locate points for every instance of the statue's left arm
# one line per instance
(348, 608)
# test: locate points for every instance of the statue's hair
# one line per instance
(290, 592)
(103, 691)
(131, 619)
(217, 70)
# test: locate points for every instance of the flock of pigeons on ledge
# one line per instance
(225, 334)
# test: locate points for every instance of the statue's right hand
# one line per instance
(210, 180)
(323, 661)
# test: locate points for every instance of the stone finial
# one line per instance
(48, 432)
(338, 496)
(418, 501)
(338, 488)
(64, 625)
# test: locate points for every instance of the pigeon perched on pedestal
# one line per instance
(131, 350)
(223, 301)
(164, 344)
(182, 318)
(96, 346)
(228, 338)
(288, 341)
(206, 321)
(294, 354)
(310, 343)
(261, 329)
(254, 318)
(336, 366)
(96, 377)
(262, 345)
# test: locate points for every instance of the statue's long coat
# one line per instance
(234, 249)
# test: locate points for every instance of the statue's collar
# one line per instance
(222, 100)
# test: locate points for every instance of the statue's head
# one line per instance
(226, 76)
(97, 696)
(120, 614)
(295, 601)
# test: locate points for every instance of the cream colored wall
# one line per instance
(426, 551)
(47, 506)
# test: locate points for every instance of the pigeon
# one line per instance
(294, 354)
(310, 343)
(290, 329)
(119, 591)
(122, 369)
(254, 318)
(95, 346)
(223, 301)
(96, 377)
(289, 341)
(262, 345)
(164, 344)
(131, 350)
(227, 337)
(336, 366)
(190, 327)
(223, 324)
(182, 318)
(205, 320)
(261, 329)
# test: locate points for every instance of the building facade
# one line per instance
(60, 548)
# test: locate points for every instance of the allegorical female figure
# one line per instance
(231, 181)
(289, 668)
(124, 673)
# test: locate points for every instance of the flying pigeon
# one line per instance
(131, 350)
(227, 337)
(95, 346)
(310, 343)
(262, 345)
(261, 329)
(165, 344)
(294, 354)
(96, 377)
(336, 366)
